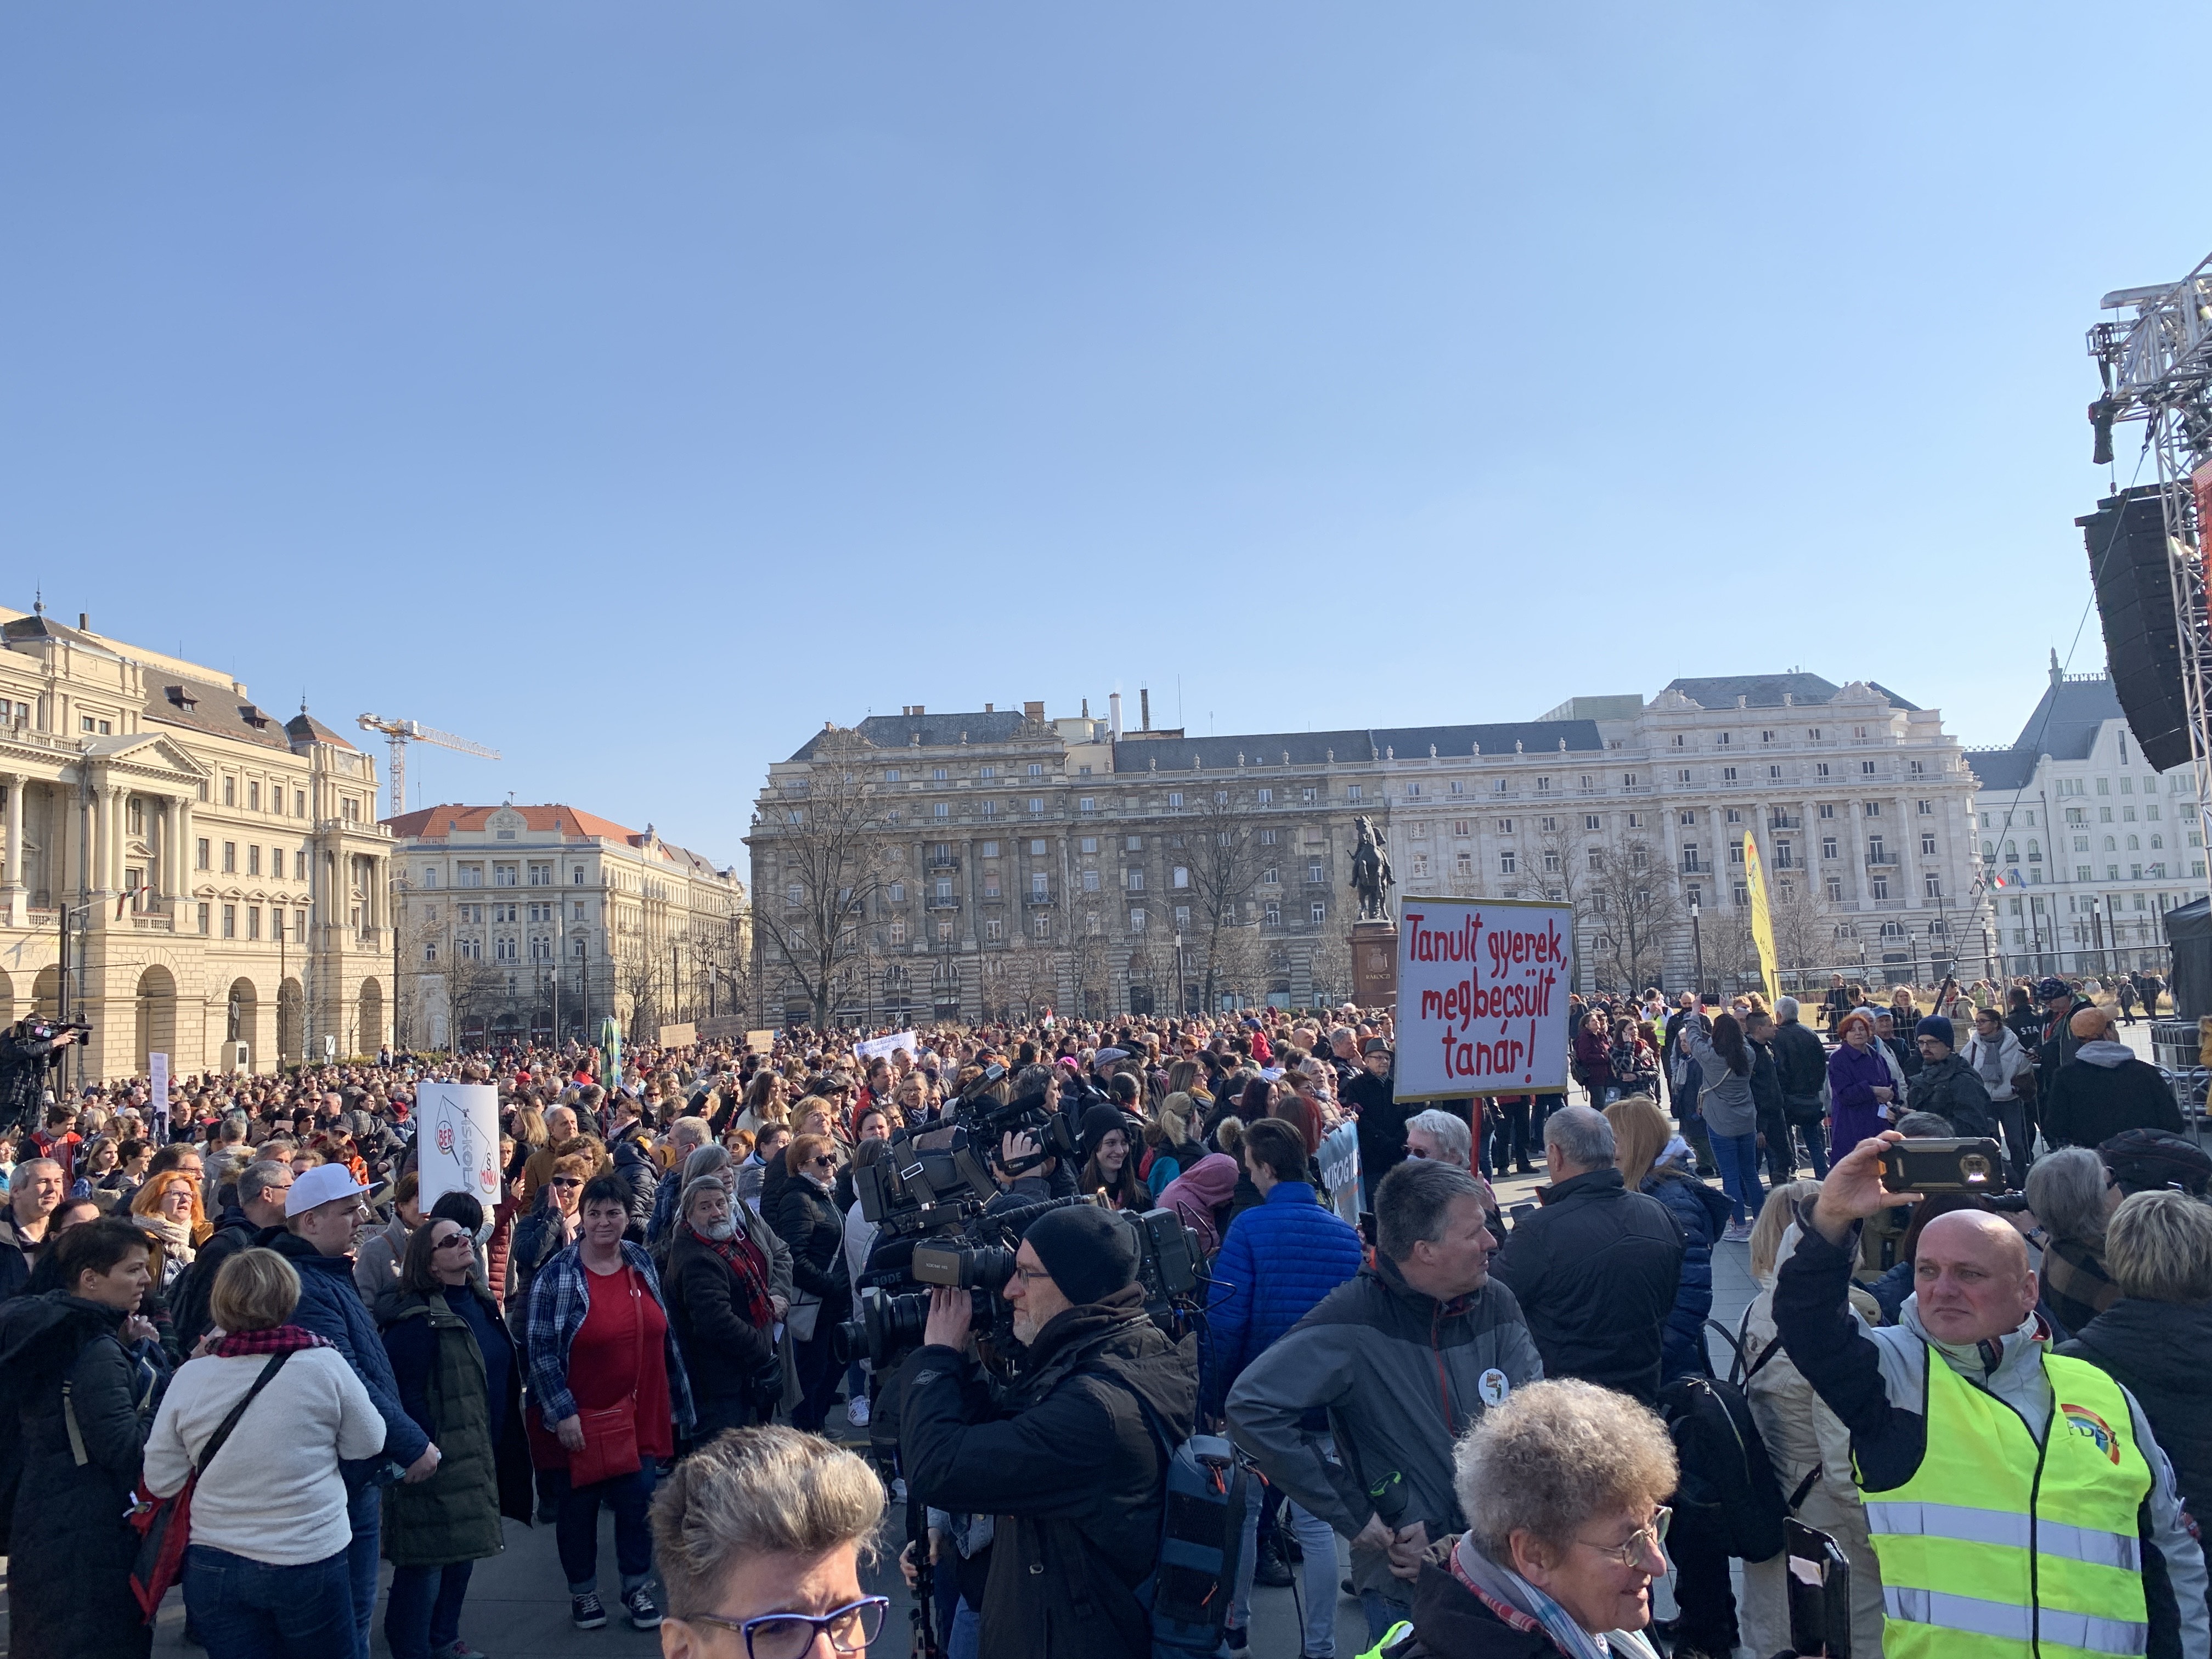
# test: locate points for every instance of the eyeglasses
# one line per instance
(451, 1239)
(822, 1163)
(1649, 1536)
(1030, 1275)
(1415, 1151)
(790, 1635)
(566, 1181)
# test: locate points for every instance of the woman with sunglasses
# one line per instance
(806, 1216)
(548, 1230)
(459, 1379)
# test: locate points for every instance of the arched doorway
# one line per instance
(7, 1000)
(370, 1017)
(157, 1017)
(291, 1023)
(241, 1024)
(46, 992)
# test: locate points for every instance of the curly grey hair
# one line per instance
(1554, 1456)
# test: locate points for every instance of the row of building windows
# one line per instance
(203, 851)
(230, 918)
(503, 875)
(253, 795)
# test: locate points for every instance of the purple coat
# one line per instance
(1853, 1114)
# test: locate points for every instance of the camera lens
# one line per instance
(1973, 1169)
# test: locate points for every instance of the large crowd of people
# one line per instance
(1494, 1410)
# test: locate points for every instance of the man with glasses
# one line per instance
(758, 1536)
(1070, 1467)
(323, 1214)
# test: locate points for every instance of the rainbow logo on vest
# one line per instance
(2090, 1427)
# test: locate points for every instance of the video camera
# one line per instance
(926, 1198)
(39, 1029)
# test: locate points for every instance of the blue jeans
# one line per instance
(422, 1612)
(1738, 1156)
(365, 1510)
(966, 1633)
(245, 1609)
(576, 1532)
(1381, 1614)
(1317, 1540)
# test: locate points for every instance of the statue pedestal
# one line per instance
(1374, 965)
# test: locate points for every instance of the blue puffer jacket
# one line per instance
(1280, 1258)
(1702, 1213)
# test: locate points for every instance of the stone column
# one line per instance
(12, 895)
(181, 817)
(100, 840)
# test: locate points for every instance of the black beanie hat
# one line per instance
(1090, 1252)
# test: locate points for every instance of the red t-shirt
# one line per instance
(604, 1361)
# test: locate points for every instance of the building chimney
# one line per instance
(990, 708)
(1145, 707)
(1114, 715)
(1033, 711)
(84, 623)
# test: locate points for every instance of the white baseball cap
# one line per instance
(323, 1184)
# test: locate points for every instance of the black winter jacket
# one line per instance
(1801, 1064)
(810, 1223)
(724, 1353)
(2087, 1105)
(1381, 1127)
(2162, 1353)
(70, 1551)
(1596, 1270)
(188, 1297)
(637, 1167)
(1070, 1468)
(1450, 1621)
(1954, 1092)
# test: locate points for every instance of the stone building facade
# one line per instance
(521, 920)
(185, 871)
(1026, 860)
(2092, 845)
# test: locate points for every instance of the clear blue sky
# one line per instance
(634, 387)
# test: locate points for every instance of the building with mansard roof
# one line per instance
(187, 871)
(2084, 845)
(1023, 860)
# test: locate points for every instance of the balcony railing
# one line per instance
(940, 902)
(1881, 861)
(1034, 897)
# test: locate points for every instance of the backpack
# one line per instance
(1726, 1473)
(1194, 1576)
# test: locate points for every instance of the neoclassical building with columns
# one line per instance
(185, 872)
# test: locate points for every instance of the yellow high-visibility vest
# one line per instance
(2001, 1548)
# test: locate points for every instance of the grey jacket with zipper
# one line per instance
(1401, 1378)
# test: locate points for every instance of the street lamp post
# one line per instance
(1697, 948)
(1180, 1010)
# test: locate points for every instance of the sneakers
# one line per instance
(856, 1414)
(1739, 1232)
(644, 1611)
(587, 1612)
(459, 1649)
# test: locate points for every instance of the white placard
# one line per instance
(884, 1045)
(1482, 997)
(457, 1142)
(157, 1096)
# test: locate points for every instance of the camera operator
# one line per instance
(28, 1049)
(1067, 1463)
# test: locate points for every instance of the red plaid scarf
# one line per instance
(278, 1339)
(751, 1266)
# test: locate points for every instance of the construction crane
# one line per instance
(400, 733)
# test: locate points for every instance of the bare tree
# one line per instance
(1632, 911)
(1240, 963)
(829, 851)
(474, 987)
(1328, 966)
(1094, 974)
(1224, 870)
(1804, 929)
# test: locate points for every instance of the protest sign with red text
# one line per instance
(1482, 997)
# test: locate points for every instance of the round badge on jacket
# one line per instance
(1493, 1387)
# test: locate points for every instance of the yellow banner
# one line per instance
(1762, 923)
